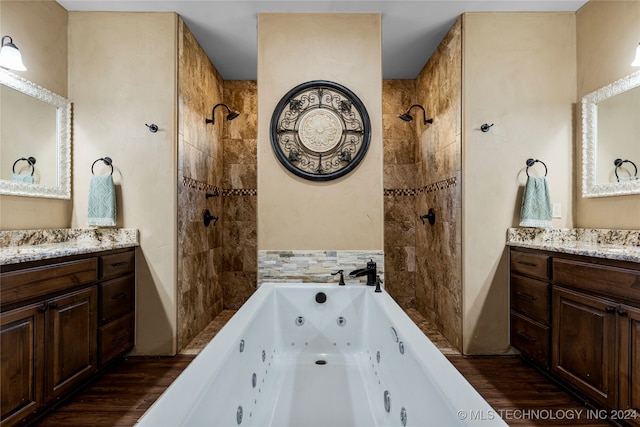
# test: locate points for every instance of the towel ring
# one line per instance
(531, 162)
(107, 161)
(30, 160)
(618, 163)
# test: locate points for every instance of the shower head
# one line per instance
(409, 118)
(232, 114)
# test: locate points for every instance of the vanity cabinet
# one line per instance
(530, 314)
(593, 322)
(52, 328)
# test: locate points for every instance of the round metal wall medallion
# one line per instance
(320, 130)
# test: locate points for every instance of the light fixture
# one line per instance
(636, 62)
(232, 114)
(409, 118)
(10, 57)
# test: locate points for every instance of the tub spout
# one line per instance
(369, 271)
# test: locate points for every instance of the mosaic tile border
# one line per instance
(217, 191)
(226, 192)
(429, 188)
(314, 266)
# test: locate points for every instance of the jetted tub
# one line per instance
(287, 358)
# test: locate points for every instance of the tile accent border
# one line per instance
(217, 191)
(429, 188)
(314, 266)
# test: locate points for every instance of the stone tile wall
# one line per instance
(439, 146)
(399, 196)
(239, 195)
(315, 266)
(199, 172)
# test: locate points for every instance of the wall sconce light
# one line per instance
(232, 114)
(636, 62)
(409, 118)
(10, 57)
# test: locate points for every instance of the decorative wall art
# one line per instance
(320, 130)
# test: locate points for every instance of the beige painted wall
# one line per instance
(519, 73)
(294, 213)
(39, 29)
(122, 74)
(608, 33)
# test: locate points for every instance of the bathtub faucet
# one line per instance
(370, 271)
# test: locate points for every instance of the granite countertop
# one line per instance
(621, 245)
(19, 246)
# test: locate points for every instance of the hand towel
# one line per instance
(102, 201)
(536, 203)
(27, 179)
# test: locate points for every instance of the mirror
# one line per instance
(611, 139)
(35, 140)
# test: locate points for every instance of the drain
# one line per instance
(299, 320)
(341, 321)
(321, 362)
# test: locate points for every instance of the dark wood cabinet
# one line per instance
(70, 339)
(629, 363)
(22, 367)
(60, 325)
(584, 344)
(589, 309)
(530, 306)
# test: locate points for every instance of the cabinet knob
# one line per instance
(622, 312)
(43, 307)
(610, 309)
(53, 305)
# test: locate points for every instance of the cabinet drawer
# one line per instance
(30, 283)
(117, 264)
(117, 297)
(531, 298)
(531, 339)
(612, 281)
(529, 264)
(116, 337)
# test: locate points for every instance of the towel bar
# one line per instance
(107, 161)
(32, 161)
(531, 162)
(619, 162)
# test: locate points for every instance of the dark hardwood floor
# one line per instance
(123, 394)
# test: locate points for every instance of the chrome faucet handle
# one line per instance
(341, 273)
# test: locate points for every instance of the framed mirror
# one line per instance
(611, 139)
(35, 140)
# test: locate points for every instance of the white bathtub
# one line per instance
(355, 360)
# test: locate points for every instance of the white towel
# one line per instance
(102, 201)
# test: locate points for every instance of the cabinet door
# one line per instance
(584, 344)
(21, 355)
(629, 318)
(71, 343)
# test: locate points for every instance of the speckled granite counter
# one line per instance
(622, 245)
(18, 246)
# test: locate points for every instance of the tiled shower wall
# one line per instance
(439, 247)
(239, 196)
(199, 165)
(399, 198)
